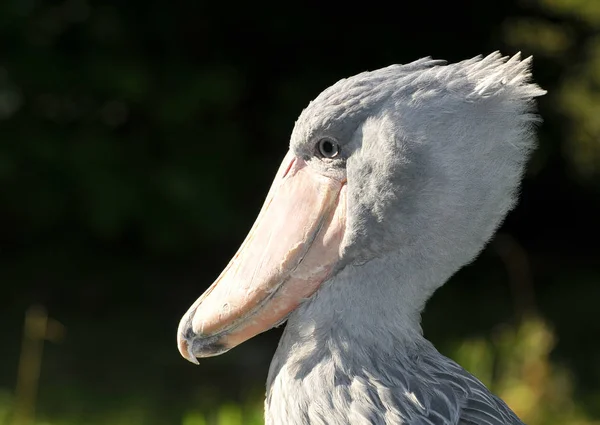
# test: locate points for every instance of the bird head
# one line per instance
(421, 160)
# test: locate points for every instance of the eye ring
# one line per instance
(328, 148)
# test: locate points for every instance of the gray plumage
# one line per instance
(433, 155)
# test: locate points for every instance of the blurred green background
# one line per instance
(138, 140)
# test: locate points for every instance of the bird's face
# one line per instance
(291, 249)
(420, 161)
(294, 246)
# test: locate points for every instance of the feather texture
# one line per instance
(433, 156)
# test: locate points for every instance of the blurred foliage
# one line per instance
(225, 414)
(84, 116)
(137, 140)
(515, 364)
(565, 34)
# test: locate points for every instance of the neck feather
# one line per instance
(364, 322)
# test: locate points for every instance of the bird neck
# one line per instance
(373, 302)
(365, 320)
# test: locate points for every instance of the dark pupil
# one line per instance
(327, 147)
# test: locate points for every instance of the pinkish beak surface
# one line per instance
(291, 249)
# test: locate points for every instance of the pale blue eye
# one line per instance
(328, 148)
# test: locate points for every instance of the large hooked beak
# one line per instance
(291, 249)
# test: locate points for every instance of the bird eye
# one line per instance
(328, 148)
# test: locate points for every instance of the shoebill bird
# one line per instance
(394, 180)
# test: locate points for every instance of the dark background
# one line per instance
(138, 140)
